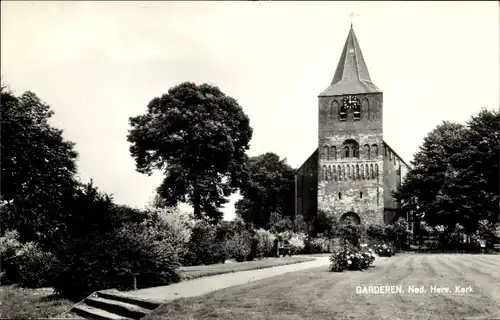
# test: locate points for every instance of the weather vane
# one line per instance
(353, 15)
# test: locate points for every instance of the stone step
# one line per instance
(117, 296)
(118, 307)
(95, 313)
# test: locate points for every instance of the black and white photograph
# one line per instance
(196, 160)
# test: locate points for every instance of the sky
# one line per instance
(99, 63)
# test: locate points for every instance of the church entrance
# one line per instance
(350, 217)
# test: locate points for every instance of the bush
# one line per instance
(348, 257)
(35, 266)
(239, 245)
(24, 263)
(264, 243)
(136, 255)
(9, 245)
(279, 223)
(175, 224)
(205, 246)
(377, 233)
(350, 234)
(296, 241)
(384, 250)
(362, 259)
(317, 245)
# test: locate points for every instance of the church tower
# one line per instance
(350, 142)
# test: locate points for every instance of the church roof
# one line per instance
(352, 75)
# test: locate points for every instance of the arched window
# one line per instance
(376, 170)
(343, 113)
(340, 195)
(333, 153)
(375, 151)
(330, 175)
(367, 175)
(343, 172)
(361, 194)
(334, 109)
(365, 106)
(362, 172)
(350, 148)
(355, 151)
(356, 112)
(371, 172)
(346, 152)
(334, 173)
(357, 172)
(367, 151)
(348, 172)
(326, 154)
(339, 173)
(323, 174)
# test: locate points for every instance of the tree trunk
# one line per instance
(196, 204)
(135, 282)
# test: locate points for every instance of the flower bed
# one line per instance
(351, 258)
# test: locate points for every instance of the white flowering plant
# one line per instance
(384, 250)
(297, 241)
(361, 260)
(348, 257)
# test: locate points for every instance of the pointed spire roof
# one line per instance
(352, 75)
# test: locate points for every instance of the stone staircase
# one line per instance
(113, 305)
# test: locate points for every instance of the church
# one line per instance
(353, 170)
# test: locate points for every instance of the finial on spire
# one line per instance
(353, 15)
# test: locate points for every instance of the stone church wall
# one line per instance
(395, 170)
(307, 186)
(356, 193)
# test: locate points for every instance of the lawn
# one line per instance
(211, 270)
(19, 303)
(320, 294)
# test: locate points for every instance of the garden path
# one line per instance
(204, 285)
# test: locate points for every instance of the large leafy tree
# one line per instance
(198, 136)
(454, 179)
(38, 169)
(474, 188)
(269, 188)
(423, 190)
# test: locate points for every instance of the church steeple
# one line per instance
(352, 75)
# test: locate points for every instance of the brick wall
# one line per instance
(307, 186)
(358, 193)
(395, 169)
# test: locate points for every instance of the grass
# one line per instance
(193, 272)
(320, 294)
(20, 303)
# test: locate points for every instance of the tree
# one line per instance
(279, 223)
(455, 175)
(424, 186)
(198, 136)
(475, 187)
(38, 169)
(325, 223)
(269, 188)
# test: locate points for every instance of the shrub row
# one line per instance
(24, 263)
